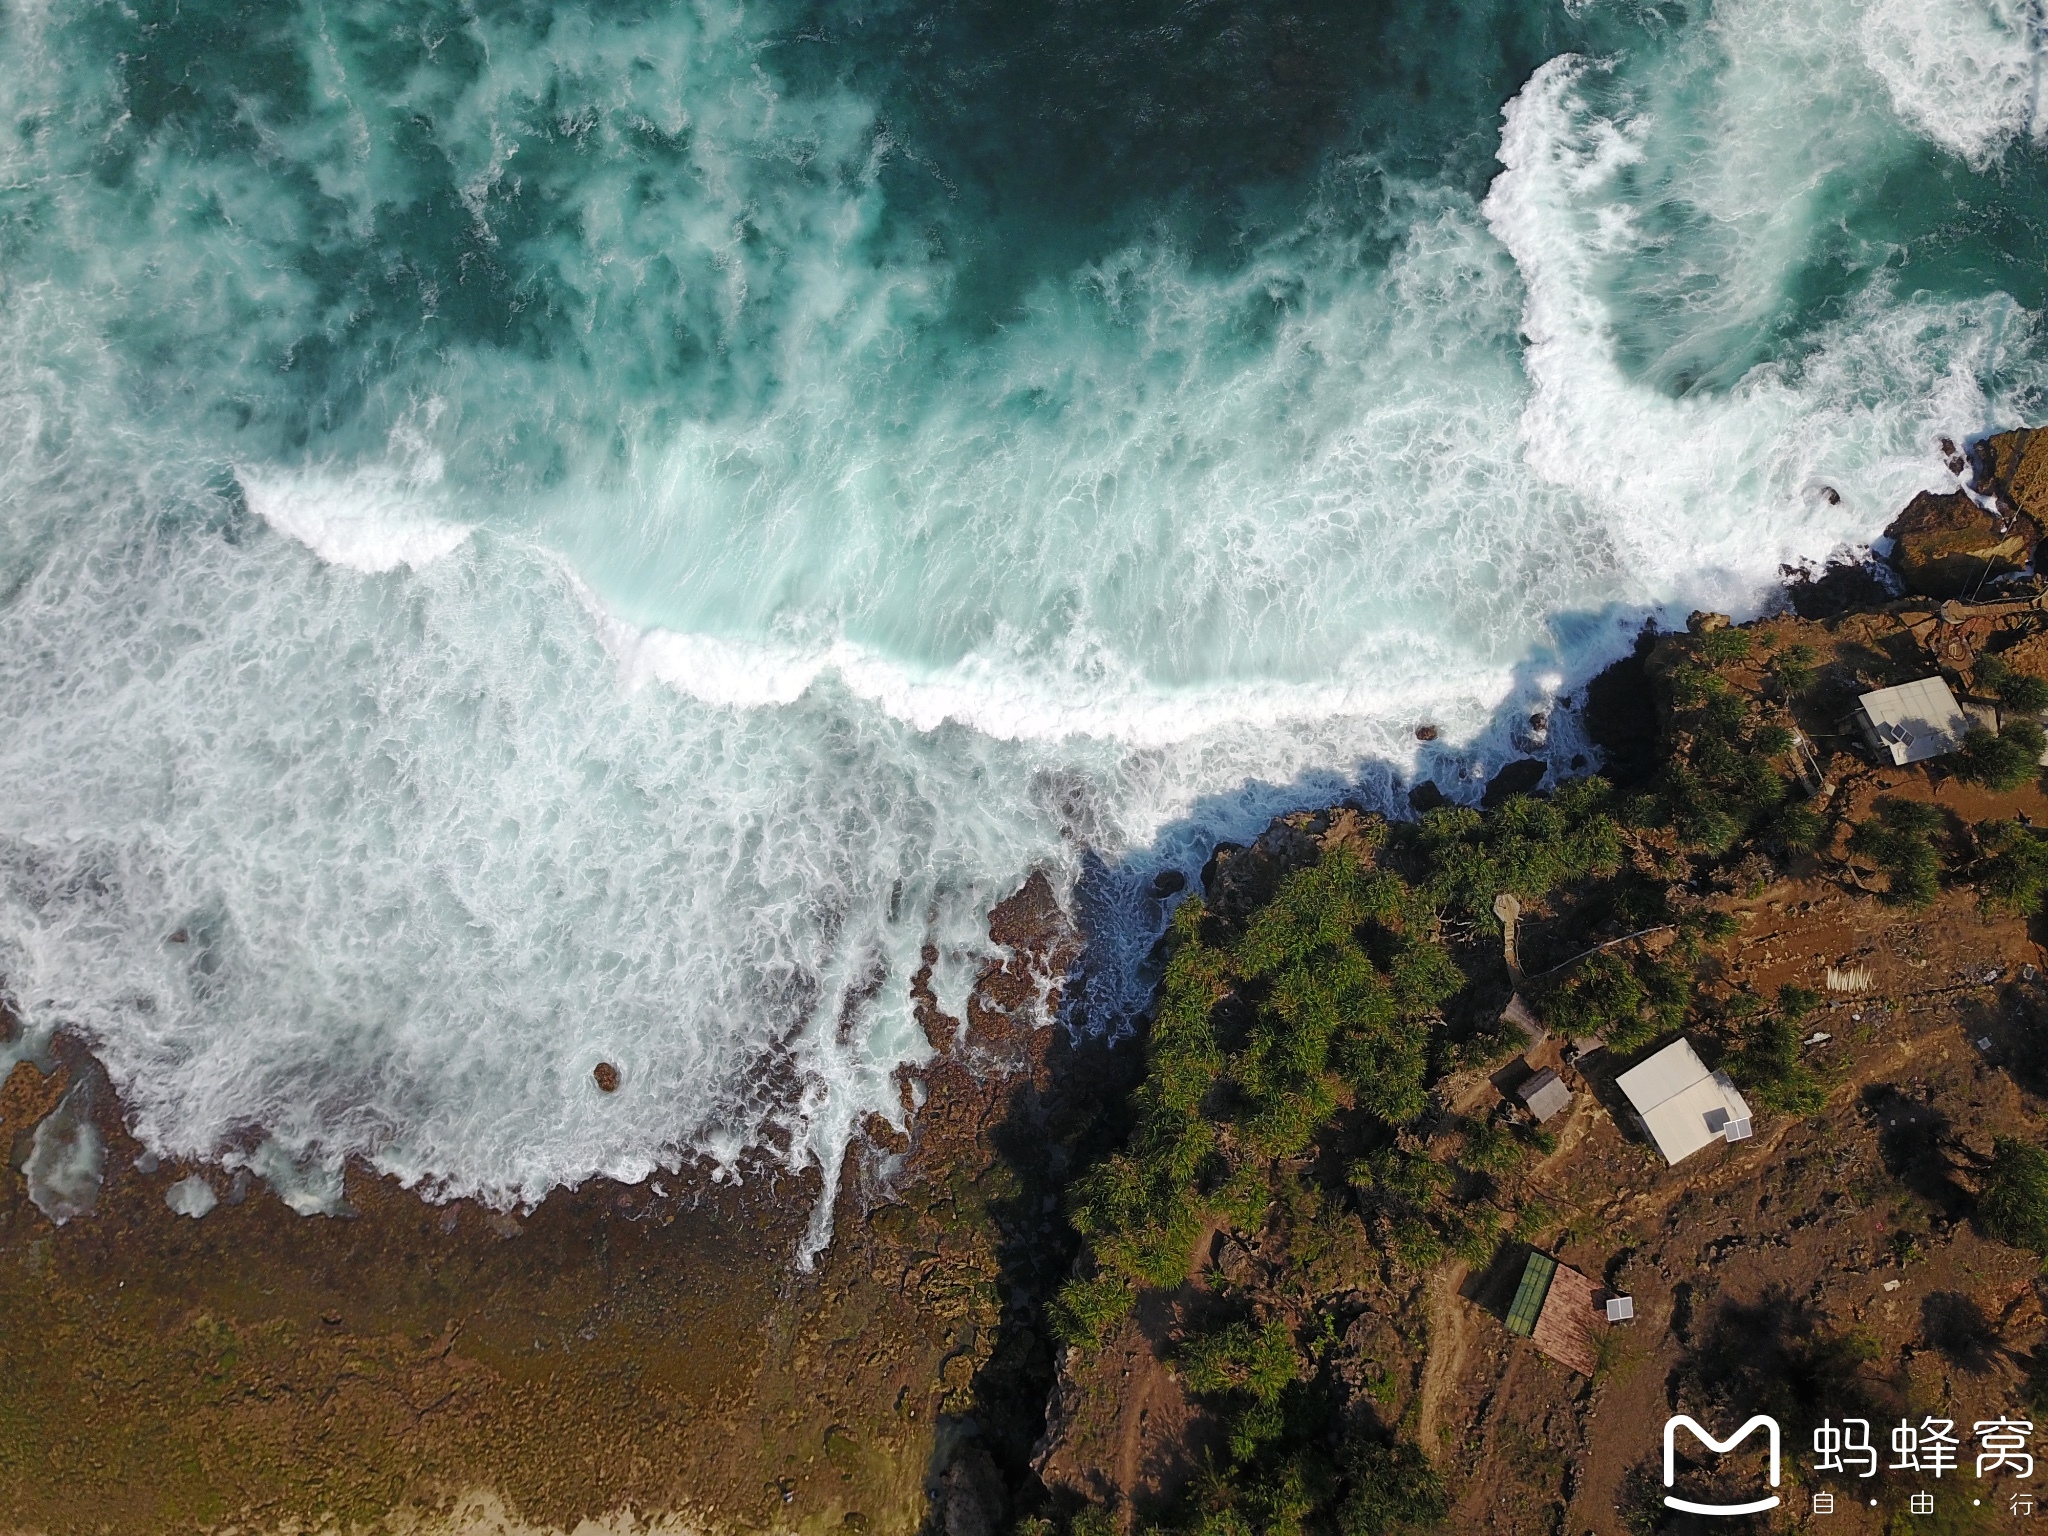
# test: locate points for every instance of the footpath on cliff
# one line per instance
(1248, 1271)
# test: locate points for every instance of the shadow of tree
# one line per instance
(1955, 1325)
(1913, 1143)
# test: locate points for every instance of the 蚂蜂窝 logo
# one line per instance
(1671, 1427)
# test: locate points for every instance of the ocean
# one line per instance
(538, 534)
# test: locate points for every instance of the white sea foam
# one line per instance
(594, 705)
(1715, 489)
(1967, 73)
(191, 1196)
(66, 1159)
(369, 521)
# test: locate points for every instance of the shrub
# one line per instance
(1721, 646)
(2015, 878)
(1798, 828)
(1490, 1147)
(1390, 1487)
(2025, 694)
(1796, 1002)
(2020, 692)
(1256, 1361)
(1793, 668)
(2005, 761)
(1769, 1065)
(1899, 842)
(1085, 1311)
(1530, 847)
(1404, 1179)
(1628, 999)
(2014, 1202)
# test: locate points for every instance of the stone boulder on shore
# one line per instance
(1948, 546)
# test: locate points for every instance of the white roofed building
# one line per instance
(1681, 1105)
(1912, 722)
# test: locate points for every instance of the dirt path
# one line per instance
(1443, 1368)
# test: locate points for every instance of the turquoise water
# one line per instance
(532, 535)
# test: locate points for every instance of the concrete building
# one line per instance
(1912, 722)
(1681, 1105)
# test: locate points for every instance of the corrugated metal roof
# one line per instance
(1914, 721)
(1671, 1071)
(1564, 1326)
(1682, 1105)
(1531, 1293)
(1545, 1094)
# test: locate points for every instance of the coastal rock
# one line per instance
(1517, 778)
(1841, 585)
(1948, 546)
(1426, 796)
(1238, 879)
(2013, 468)
(1169, 882)
(607, 1076)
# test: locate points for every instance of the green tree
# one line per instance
(1793, 667)
(2015, 877)
(1720, 646)
(1627, 999)
(1899, 841)
(2005, 761)
(2020, 692)
(1390, 1487)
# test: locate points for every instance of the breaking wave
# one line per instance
(609, 533)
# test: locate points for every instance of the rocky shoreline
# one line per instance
(636, 1356)
(644, 1357)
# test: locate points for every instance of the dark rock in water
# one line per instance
(1578, 761)
(1831, 496)
(1841, 585)
(1517, 778)
(1948, 546)
(1621, 716)
(1168, 882)
(1425, 733)
(1426, 797)
(607, 1076)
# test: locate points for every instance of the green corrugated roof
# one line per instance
(1529, 1294)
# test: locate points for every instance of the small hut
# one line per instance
(1545, 1094)
(1682, 1106)
(1555, 1309)
(1912, 722)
